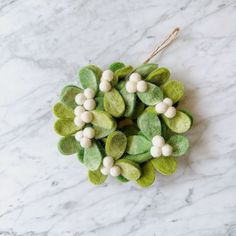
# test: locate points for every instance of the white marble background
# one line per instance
(42, 45)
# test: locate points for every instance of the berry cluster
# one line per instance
(109, 167)
(165, 107)
(136, 84)
(86, 104)
(160, 148)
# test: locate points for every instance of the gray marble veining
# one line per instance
(42, 45)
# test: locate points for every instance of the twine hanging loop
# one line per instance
(164, 44)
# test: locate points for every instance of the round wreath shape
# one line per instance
(123, 122)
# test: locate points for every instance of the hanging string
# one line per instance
(165, 43)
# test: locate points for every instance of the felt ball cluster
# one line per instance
(165, 107)
(105, 83)
(136, 84)
(160, 148)
(85, 136)
(86, 104)
(109, 167)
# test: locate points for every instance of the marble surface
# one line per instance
(42, 45)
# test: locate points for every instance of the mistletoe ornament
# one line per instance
(124, 122)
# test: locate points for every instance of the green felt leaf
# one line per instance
(147, 175)
(62, 111)
(128, 127)
(188, 114)
(66, 127)
(130, 130)
(179, 124)
(145, 69)
(123, 72)
(173, 89)
(130, 102)
(69, 145)
(138, 110)
(180, 145)
(116, 66)
(101, 132)
(95, 69)
(96, 177)
(122, 179)
(129, 169)
(149, 124)
(139, 158)
(92, 157)
(164, 165)
(88, 79)
(99, 103)
(152, 96)
(102, 119)
(159, 76)
(80, 156)
(116, 144)
(137, 144)
(114, 103)
(68, 94)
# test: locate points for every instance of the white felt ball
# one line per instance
(89, 93)
(158, 141)
(155, 151)
(108, 162)
(89, 132)
(79, 135)
(90, 104)
(168, 102)
(161, 107)
(107, 75)
(171, 112)
(142, 86)
(135, 77)
(78, 121)
(105, 86)
(86, 116)
(115, 171)
(80, 99)
(131, 87)
(85, 142)
(79, 110)
(166, 150)
(104, 171)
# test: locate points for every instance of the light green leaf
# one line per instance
(102, 119)
(116, 144)
(147, 175)
(164, 165)
(69, 145)
(139, 158)
(137, 144)
(68, 94)
(96, 177)
(173, 89)
(152, 96)
(149, 124)
(145, 69)
(62, 111)
(159, 76)
(92, 157)
(129, 169)
(88, 79)
(180, 145)
(66, 127)
(116, 66)
(113, 103)
(179, 124)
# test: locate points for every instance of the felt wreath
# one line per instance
(123, 122)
